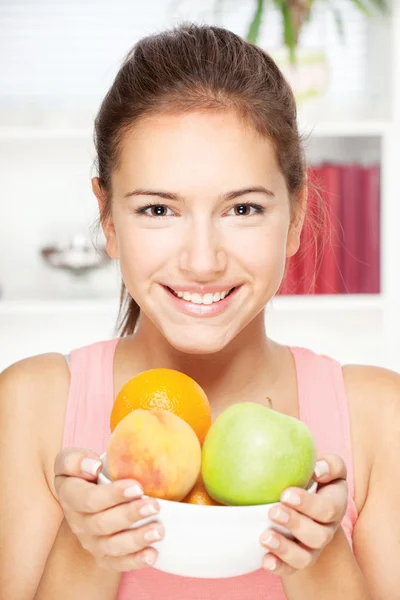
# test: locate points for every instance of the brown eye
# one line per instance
(154, 210)
(242, 209)
(246, 209)
(158, 210)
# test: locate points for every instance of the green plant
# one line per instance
(297, 12)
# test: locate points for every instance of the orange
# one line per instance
(167, 389)
(199, 495)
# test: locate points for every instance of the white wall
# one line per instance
(56, 62)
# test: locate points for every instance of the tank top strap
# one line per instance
(323, 407)
(91, 396)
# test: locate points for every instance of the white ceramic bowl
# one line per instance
(209, 541)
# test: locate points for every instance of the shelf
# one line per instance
(352, 128)
(45, 306)
(320, 303)
(45, 133)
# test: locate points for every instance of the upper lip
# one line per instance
(211, 288)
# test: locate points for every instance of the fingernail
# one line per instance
(291, 498)
(147, 510)
(148, 559)
(152, 535)
(90, 466)
(133, 491)
(280, 515)
(270, 563)
(272, 542)
(321, 468)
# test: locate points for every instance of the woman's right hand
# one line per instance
(100, 515)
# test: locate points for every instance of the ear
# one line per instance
(297, 222)
(107, 224)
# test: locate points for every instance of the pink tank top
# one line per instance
(323, 408)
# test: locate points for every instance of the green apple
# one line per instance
(252, 453)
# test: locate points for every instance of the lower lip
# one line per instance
(203, 310)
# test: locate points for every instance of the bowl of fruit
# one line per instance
(216, 481)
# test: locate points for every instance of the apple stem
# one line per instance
(269, 402)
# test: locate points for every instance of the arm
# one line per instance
(95, 542)
(318, 562)
(71, 572)
(32, 403)
(30, 514)
(377, 532)
(372, 571)
(336, 574)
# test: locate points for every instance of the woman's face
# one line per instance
(219, 220)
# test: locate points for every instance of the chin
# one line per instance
(184, 341)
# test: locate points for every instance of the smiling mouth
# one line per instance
(207, 299)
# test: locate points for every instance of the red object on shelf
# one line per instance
(347, 232)
(329, 277)
(300, 268)
(352, 221)
(370, 227)
(309, 240)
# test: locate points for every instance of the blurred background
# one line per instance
(59, 291)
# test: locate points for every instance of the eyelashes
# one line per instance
(143, 210)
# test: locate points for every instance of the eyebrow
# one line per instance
(227, 196)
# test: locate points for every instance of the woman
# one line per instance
(202, 190)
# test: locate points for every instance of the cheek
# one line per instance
(142, 253)
(262, 250)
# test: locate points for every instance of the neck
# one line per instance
(233, 374)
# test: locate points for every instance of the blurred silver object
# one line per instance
(78, 256)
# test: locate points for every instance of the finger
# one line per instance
(290, 552)
(121, 517)
(129, 541)
(139, 560)
(327, 505)
(308, 532)
(277, 566)
(88, 498)
(76, 462)
(330, 467)
(69, 462)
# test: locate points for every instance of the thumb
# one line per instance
(330, 467)
(77, 462)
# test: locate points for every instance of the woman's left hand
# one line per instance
(312, 519)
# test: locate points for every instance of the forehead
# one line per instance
(198, 146)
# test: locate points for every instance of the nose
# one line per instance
(203, 257)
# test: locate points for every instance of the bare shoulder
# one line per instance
(372, 389)
(373, 395)
(33, 396)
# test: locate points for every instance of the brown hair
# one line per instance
(197, 67)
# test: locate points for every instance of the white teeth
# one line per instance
(196, 299)
(202, 299)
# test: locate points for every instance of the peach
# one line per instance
(158, 449)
